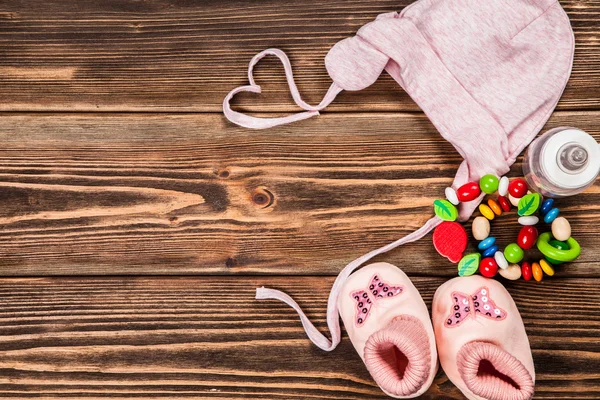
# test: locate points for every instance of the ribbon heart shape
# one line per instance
(248, 121)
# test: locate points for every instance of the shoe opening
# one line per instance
(486, 368)
(492, 373)
(399, 357)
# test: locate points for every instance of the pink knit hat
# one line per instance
(488, 74)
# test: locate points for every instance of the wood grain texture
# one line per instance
(202, 338)
(191, 194)
(183, 55)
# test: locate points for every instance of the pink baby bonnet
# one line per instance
(487, 73)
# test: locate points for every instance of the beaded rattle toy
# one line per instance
(450, 237)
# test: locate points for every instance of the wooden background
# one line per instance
(135, 221)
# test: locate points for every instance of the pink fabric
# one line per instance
(488, 74)
(503, 378)
(403, 337)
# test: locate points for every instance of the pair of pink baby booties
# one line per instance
(476, 330)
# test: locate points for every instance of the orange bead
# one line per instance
(495, 207)
(538, 274)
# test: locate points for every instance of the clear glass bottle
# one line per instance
(562, 162)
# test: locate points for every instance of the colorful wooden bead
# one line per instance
(517, 188)
(527, 237)
(529, 204)
(489, 183)
(528, 220)
(468, 192)
(536, 270)
(546, 206)
(450, 240)
(551, 215)
(495, 207)
(561, 229)
(451, 196)
(513, 253)
(486, 211)
(490, 251)
(445, 210)
(526, 271)
(480, 228)
(504, 203)
(487, 243)
(469, 264)
(500, 260)
(513, 200)
(546, 267)
(512, 272)
(503, 186)
(488, 267)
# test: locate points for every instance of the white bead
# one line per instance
(528, 220)
(513, 200)
(451, 196)
(503, 186)
(483, 292)
(500, 260)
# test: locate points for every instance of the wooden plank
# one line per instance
(185, 56)
(207, 338)
(190, 194)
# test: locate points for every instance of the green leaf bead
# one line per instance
(489, 183)
(529, 204)
(445, 210)
(469, 264)
(513, 253)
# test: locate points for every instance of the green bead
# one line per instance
(489, 183)
(513, 253)
(445, 210)
(469, 264)
(558, 245)
(529, 204)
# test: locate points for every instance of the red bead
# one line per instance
(450, 240)
(517, 188)
(527, 237)
(526, 271)
(504, 203)
(468, 192)
(488, 267)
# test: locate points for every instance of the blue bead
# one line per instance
(546, 206)
(490, 251)
(487, 242)
(551, 215)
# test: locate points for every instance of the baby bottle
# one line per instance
(562, 162)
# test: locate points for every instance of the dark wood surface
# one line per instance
(135, 221)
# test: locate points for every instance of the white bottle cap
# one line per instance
(562, 142)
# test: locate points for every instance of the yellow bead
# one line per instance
(494, 206)
(546, 267)
(537, 271)
(486, 212)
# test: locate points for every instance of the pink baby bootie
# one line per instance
(482, 343)
(389, 326)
